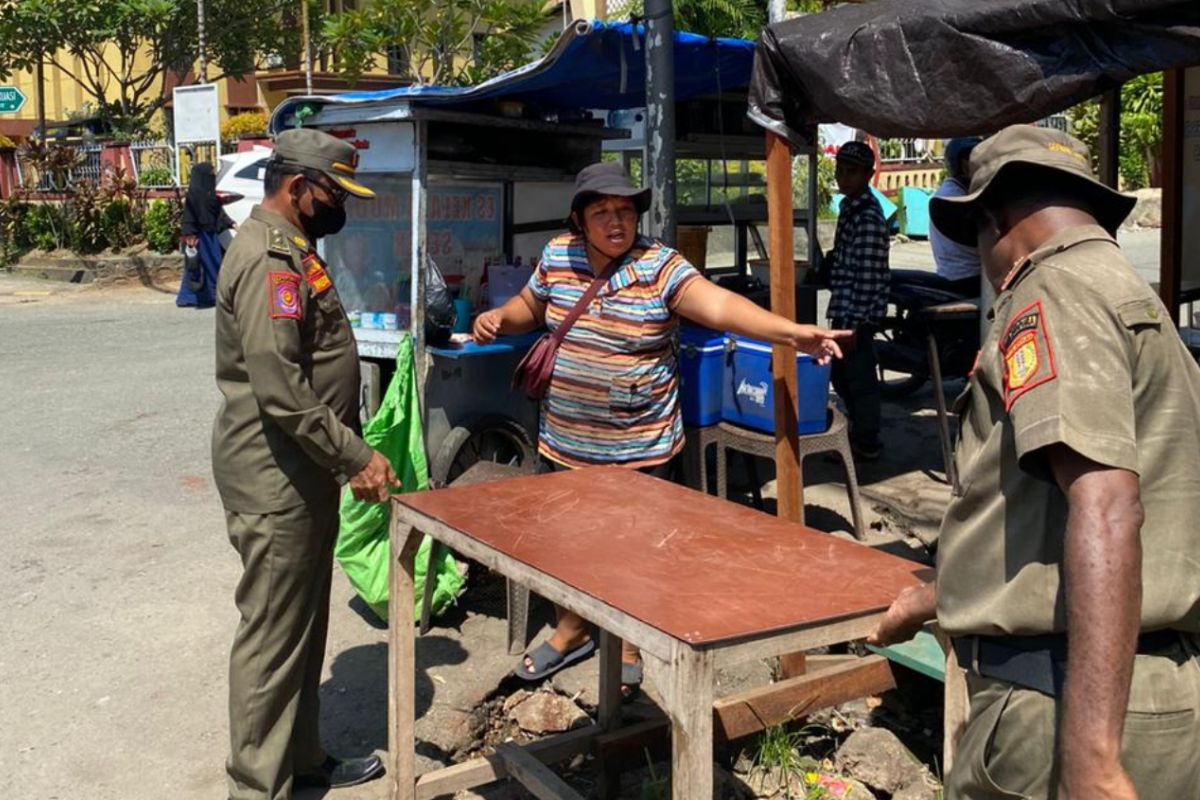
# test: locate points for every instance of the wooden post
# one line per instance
(1170, 278)
(957, 704)
(783, 303)
(1109, 141)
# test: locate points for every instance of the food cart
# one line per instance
(481, 176)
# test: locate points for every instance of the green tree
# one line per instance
(737, 19)
(740, 19)
(121, 51)
(1141, 129)
(435, 42)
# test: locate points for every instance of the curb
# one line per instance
(147, 269)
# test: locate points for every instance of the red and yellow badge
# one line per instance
(1028, 356)
(284, 290)
(315, 274)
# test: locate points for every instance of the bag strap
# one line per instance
(586, 300)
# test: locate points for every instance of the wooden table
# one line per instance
(695, 582)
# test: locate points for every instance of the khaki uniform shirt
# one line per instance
(287, 364)
(1081, 352)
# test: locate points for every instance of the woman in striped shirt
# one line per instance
(614, 394)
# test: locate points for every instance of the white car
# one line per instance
(240, 181)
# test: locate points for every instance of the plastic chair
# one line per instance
(835, 438)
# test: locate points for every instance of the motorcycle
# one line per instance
(920, 304)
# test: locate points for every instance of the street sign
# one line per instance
(11, 99)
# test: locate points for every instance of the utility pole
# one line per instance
(660, 118)
(40, 77)
(203, 40)
(308, 83)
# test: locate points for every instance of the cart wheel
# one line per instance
(496, 439)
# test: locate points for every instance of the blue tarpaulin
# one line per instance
(593, 65)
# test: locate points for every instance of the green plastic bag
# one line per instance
(362, 545)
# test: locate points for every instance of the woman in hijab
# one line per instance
(203, 222)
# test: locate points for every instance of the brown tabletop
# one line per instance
(697, 568)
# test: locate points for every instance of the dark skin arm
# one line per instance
(905, 617)
(1102, 574)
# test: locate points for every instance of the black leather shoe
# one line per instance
(336, 773)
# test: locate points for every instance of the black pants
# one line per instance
(856, 380)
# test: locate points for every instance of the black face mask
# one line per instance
(326, 219)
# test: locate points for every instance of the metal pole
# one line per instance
(776, 10)
(660, 118)
(202, 36)
(308, 83)
(418, 251)
(41, 96)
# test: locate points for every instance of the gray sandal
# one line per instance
(547, 661)
(631, 680)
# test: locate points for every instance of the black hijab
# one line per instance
(202, 210)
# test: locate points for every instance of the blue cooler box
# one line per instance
(748, 396)
(701, 368)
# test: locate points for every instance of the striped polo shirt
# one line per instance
(614, 394)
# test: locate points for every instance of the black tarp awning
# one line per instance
(957, 67)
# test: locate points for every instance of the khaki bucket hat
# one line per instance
(308, 147)
(1044, 148)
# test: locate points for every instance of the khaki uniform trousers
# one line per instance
(1007, 749)
(279, 647)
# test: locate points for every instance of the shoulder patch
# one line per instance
(284, 289)
(315, 274)
(278, 244)
(1028, 355)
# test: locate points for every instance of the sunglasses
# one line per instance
(336, 193)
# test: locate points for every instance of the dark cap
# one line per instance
(859, 153)
(313, 149)
(607, 179)
(1043, 148)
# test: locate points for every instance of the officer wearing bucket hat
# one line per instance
(285, 438)
(1067, 569)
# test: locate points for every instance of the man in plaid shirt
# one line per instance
(859, 279)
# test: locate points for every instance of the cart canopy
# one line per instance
(957, 67)
(593, 65)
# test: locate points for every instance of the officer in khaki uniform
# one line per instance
(1068, 573)
(285, 439)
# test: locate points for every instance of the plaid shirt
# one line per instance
(858, 263)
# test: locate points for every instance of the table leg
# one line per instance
(609, 714)
(402, 663)
(691, 710)
(436, 551)
(610, 682)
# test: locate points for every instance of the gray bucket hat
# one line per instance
(607, 179)
(1045, 148)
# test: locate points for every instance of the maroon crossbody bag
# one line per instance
(532, 375)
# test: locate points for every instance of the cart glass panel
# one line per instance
(370, 259)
